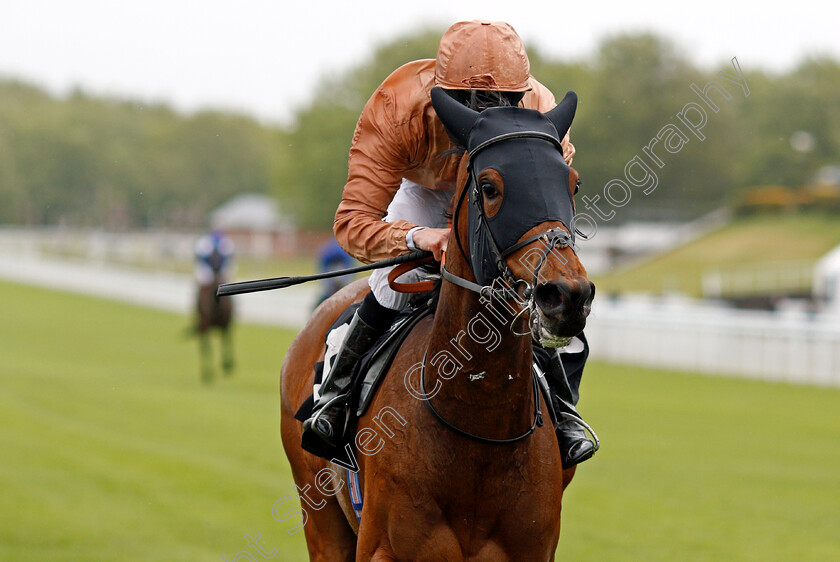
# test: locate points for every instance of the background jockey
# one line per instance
(332, 257)
(213, 254)
(402, 169)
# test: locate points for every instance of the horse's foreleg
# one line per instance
(205, 358)
(329, 536)
(227, 352)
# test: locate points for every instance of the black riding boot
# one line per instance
(563, 376)
(330, 413)
(575, 446)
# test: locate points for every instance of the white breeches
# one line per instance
(421, 206)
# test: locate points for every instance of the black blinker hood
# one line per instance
(536, 180)
(535, 175)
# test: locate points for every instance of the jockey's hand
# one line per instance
(433, 240)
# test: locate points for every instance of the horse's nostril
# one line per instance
(554, 297)
(550, 297)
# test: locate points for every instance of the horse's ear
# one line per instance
(563, 114)
(456, 117)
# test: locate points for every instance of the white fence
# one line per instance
(99, 245)
(759, 279)
(792, 347)
(290, 307)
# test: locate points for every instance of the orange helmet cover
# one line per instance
(482, 55)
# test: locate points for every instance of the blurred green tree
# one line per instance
(89, 161)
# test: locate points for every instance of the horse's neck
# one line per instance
(481, 370)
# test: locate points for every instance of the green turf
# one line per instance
(762, 240)
(705, 468)
(111, 449)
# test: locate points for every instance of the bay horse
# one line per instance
(454, 459)
(213, 313)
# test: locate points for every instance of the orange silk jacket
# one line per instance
(400, 136)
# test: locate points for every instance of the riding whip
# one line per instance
(282, 282)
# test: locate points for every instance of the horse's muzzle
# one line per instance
(563, 306)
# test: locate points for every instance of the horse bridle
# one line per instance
(553, 238)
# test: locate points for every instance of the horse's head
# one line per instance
(518, 224)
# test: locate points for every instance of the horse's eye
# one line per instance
(578, 183)
(489, 190)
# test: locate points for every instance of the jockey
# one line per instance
(332, 257)
(401, 177)
(213, 255)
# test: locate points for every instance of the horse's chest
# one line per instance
(472, 510)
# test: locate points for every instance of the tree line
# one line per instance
(83, 160)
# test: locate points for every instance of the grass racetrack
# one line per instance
(111, 449)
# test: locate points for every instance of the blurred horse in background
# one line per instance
(214, 313)
(214, 257)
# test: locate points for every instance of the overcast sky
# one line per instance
(264, 57)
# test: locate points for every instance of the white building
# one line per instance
(255, 224)
(827, 281)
